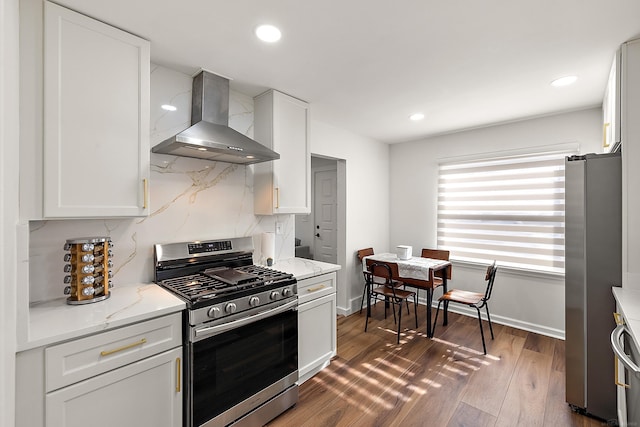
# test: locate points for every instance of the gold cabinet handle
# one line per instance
(277, 197)
(605, 143)
(178, 375)
(145, 201)
(618, 318)
(124, 347)
(317, 288)
(615, 373)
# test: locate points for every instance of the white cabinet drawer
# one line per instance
(147, 393)
(316, 287)
(80, 359)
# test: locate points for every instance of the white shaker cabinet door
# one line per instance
(147, 393)
(96, 118)
(282, 186)
(317, 333)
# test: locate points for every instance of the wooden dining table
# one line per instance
(416, 272)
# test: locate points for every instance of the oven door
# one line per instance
(239, 365)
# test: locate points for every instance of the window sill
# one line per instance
(511, 270)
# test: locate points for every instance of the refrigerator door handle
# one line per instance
(618, 350)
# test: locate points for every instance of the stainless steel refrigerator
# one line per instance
(593, 264)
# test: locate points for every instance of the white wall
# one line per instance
(9, 142)
(533, 302)
(367, 201)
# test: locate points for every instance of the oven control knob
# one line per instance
(286, 292)
(274, 295)
(230, 308)
(213, 312)
(254, 301)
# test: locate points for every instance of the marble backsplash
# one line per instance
(190, 199)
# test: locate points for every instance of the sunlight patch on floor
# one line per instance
(358, 396)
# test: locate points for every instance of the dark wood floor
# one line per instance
(446, 381)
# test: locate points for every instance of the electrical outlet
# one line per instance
(278, 228)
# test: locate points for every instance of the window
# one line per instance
(509, 209)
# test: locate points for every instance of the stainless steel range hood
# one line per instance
(210, 136)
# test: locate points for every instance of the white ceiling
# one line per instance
(366, 65)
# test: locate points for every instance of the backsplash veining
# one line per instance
(190, 199)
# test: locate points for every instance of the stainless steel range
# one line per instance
(240, 331)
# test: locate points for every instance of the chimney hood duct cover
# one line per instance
(210, 136)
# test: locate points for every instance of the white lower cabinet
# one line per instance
(316, 324)
(145, 393)
(130, 376)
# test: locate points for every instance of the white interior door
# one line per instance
(325, 210)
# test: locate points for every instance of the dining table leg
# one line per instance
(429, 298)
(445, 317)
(368, 285)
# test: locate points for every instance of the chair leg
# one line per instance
(486, 306)
(364, 292)
(435, 321)
(484, 347)
(446, 309)
(393, 310)
(366, 321)
(415, 307)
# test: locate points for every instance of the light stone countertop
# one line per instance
(629, 304)
(303, 268)
(56, 321)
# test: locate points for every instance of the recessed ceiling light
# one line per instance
(268, 33)
(168, 107)
(564, 81)
(416, 116)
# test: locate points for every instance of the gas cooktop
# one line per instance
(210, 272)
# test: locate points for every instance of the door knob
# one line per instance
(317, 234)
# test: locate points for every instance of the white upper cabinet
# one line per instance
(96, 118)
(282, 186)
(611, 107)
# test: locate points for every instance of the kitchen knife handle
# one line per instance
(145, 185)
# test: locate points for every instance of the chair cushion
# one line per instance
(463, 297)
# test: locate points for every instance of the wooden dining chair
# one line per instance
(369, 279)
(476, 300)
(388, 290)
(437, 254)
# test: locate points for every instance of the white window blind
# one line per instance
(509, 209)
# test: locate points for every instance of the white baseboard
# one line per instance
(467, 311)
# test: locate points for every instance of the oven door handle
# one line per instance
(218, 329)
(618, 350)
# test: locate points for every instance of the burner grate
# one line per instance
(202, 287)
(197, 286)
